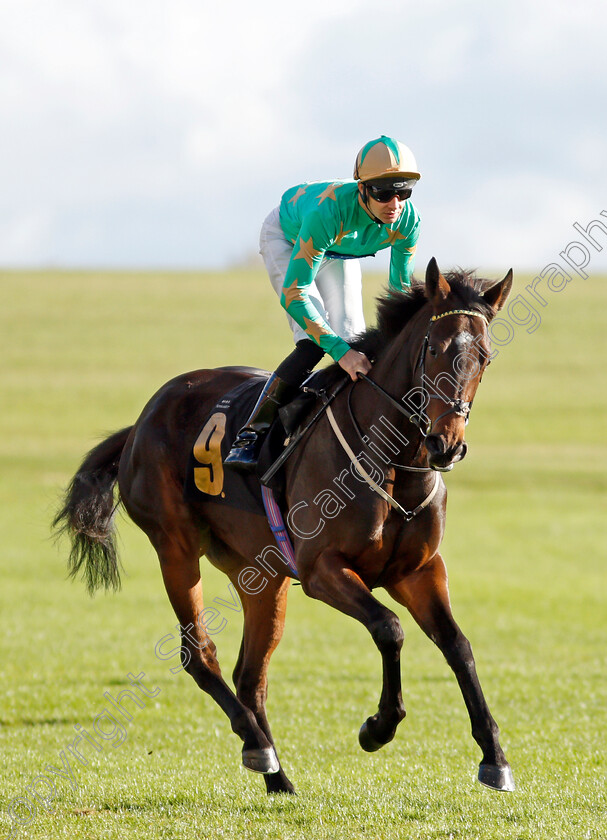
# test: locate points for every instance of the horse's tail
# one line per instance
(87, 515)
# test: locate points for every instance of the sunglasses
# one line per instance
(386, 194)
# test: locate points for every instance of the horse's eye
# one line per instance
(432, 351)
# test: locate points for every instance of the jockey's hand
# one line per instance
(354, 362)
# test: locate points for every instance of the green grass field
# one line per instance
(525, 546)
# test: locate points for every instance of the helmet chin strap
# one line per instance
(365, 197)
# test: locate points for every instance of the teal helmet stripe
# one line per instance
(365, 149)
(390, 144)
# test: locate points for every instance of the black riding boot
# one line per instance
(245, 450)
(278, 390)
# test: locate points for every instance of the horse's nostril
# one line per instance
(462, 451)
(435, 444)
(441, 454)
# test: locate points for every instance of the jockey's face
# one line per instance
(387, 212)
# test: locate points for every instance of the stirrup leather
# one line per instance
(245, 450)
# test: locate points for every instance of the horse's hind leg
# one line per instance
(178, 552)
(425, 594)
(264, 618)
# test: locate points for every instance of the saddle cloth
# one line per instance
(205, 473)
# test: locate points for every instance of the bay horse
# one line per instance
(432, 343)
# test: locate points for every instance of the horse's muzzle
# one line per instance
(441, 457)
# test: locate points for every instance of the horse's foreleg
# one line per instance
(264, 618)
(333, 582)
(425, 593)
(180, 569)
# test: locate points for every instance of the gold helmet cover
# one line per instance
(383, 158)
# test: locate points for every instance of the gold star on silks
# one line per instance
(292, 294)
(341, 233)
(393, 236)
(314, 329)
(301, 191)
(329, 193)
(306, 251)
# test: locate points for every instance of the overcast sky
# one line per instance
(161, 132)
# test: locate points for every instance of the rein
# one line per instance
(407, 514)
(412, 418)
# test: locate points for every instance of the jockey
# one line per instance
(310, 245)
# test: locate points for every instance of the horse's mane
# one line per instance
(395, 310)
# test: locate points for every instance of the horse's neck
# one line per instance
(394, 372)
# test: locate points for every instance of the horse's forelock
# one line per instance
(467, 290)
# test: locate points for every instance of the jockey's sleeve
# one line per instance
(313, 240)
(402, 261)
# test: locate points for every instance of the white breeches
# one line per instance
(336, 292)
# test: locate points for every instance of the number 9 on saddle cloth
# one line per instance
(205, 473)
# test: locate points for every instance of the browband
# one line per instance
(459, 312)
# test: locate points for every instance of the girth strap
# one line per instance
(408, 514)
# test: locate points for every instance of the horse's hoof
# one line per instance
(366, 740)
(282, 787)
(261, 761)
(498, 778)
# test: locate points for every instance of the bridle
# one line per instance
(455, 405)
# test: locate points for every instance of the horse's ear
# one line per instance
(437, 287)
(497, 295)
